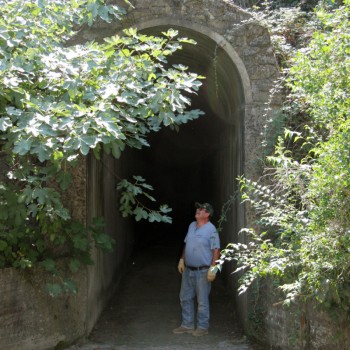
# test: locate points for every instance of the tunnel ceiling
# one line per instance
(220, 98)
(198, 162)
(222, 85)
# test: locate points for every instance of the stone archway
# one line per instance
(227, 37)
(238, 61)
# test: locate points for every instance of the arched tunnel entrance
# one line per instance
(202, 159)
(197, 163)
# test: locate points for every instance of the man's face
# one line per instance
(201, 213)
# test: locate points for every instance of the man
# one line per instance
(197, 266)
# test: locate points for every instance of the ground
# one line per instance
(145, 309)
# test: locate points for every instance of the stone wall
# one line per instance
(305, 327)
(32, 320)
(105, 275)
(297, 326)
(29, 318)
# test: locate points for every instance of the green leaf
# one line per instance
(22, 146)
(104, 241)
(5, 123)
(167, 219)
(81, 243)
(140, 213)
(43, 152)
(74, 265)
(103, 12)
(64, 178)
(69, 286)
(116, 151)
(3, 245)
(84, 149)
(165, 209)
(49, 265)
(54, 289)
(154, 216)
(40, 194)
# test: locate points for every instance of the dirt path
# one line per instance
(146, 308)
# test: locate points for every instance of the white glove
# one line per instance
(181, 266)
(211, 274)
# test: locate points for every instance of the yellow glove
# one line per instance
(181, 266)
(211, 274)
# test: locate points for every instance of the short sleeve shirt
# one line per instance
(200, 243)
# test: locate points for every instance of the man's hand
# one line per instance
(211, 274)
(181, 266)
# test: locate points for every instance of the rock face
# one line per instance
(30, 319)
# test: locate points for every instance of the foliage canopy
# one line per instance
(59, 103)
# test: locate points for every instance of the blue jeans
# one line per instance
(195, 284)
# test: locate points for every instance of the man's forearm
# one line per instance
(216, 255)
(183, 252)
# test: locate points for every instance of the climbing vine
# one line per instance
(302, 238)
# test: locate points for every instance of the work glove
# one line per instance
(211, 274)
(181, 266)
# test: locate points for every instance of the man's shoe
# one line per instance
(199, 332)
(182, 330)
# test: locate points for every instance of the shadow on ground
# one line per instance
(146, 308)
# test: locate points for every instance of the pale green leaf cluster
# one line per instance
(59, 103)
(132, 205)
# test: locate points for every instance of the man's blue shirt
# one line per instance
(200, 243)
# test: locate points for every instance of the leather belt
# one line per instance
(198, 268)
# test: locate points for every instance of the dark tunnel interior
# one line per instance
(179, 166)
(201, 160)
